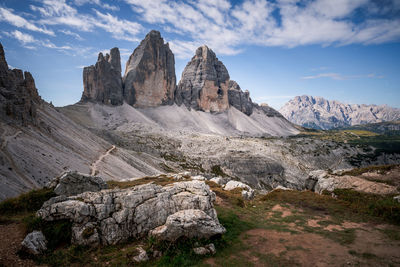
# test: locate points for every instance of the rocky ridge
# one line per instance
(19, 98)
(150, 81)
(102, 82)
(319, 113)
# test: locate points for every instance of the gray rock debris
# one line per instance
(73, 183)
(220, 180)
(189, 223)
(208, 249)
(247, 192)
(114, 215)
(34, 243)
(142, 256)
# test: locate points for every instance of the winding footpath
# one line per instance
(93, 167)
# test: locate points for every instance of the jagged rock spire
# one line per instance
(102, 82)
(149, 78)
(19, 97)
(204, 83)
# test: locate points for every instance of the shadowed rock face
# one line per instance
(239, 99)
(149, 78)
(204, 84)
(19, 98)
(102, 82)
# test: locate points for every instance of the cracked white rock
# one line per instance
(114, 215)
(34, 243)
(189, 223)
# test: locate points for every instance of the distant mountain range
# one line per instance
(319, 113)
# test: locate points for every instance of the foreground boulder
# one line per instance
(115, 215)
(34, 243)
(73, 183)
(188, 223)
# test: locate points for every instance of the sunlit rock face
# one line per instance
(102, 82)
(204, 83)
(149, 78)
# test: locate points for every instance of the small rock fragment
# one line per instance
(142, 256)
(34, 243)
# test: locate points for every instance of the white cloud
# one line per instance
(225, 27)
(58, 12)
(73, 34)
(119, 28)
(18, 21)
(96, 2)
(341, 77)
(28, 41)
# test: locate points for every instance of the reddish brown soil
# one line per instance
(12, 235)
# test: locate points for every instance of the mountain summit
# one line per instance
(319, 113)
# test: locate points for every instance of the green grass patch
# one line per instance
(380, 206)
(27, 202)
(381, 169)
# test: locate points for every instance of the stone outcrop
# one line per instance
(149, 78)
(73, 183)
(239, 99)
(319, 113)
(188, 223)
(114, 215)
(204, 84)
(34, 243)
(19, 98)
(247, 191)
(102, 82)
(267, 110)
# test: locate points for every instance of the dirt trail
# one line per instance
(93, 167)
(12, 235)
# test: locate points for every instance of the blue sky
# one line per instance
(347, 50)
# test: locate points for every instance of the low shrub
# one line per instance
(27, 202)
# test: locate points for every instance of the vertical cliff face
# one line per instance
(149, 78)
(204, 83)
(19, 98)
(102, 82)
(239, 99)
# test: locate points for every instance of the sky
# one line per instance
(345, 50)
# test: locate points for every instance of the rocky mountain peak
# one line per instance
(102, 82)
(150, 78)
(319, 113)
(239, 99)
(204, 83)
(19, 97)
